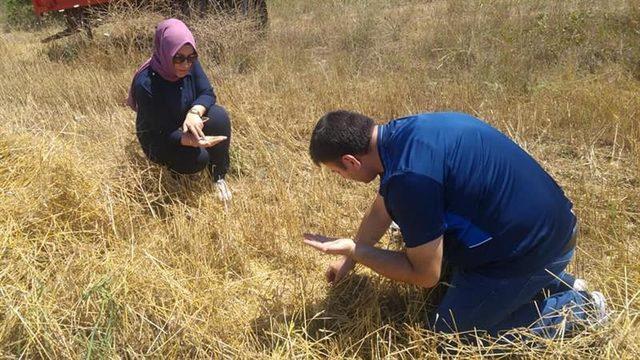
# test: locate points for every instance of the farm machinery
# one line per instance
(77, 13)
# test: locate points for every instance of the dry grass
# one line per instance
(104, 255)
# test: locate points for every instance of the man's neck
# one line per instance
(373, 154)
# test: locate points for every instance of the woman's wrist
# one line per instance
(197, 110)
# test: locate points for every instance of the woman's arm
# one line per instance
(152, 120)
(204, 99)
(205, 96)
(149, 118)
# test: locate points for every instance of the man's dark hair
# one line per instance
(338, 133)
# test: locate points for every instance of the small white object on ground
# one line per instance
(580, 285)
(600, 315)
(224, 193)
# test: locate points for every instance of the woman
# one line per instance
(171, 94)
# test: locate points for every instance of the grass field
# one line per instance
(104, 255)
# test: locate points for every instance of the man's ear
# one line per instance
(350, 161)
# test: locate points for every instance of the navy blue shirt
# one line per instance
(452, 175)
(163, 106)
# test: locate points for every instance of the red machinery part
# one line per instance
(42, 6)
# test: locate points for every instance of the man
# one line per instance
(462, 191)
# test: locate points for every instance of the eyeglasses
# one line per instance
(179, 58)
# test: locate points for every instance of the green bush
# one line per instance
(19, 14)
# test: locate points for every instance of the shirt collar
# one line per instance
(381, 145)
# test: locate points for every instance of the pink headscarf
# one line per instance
(171, 35)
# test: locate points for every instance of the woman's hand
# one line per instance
(209, 141)
(193, 124)
(188, 139)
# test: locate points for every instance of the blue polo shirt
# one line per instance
(451, 174)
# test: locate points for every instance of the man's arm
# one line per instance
(374, 224)
(420, 265)
(417, 203)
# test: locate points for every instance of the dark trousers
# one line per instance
(190, 160)
(497, 304)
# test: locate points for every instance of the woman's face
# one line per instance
(184, 59)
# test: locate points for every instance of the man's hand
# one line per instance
(418, 265)
(329, 245)
(338, 269)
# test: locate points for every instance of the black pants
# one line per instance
(190, 160)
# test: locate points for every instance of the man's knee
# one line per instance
(446, 321)
(441, 324)
(468, 311)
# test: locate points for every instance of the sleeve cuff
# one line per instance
(206, 101)
(432, 236)
(175, 137)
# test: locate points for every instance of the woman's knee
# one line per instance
(219, 122)
(189, 162)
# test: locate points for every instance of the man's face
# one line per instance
(352, 169)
